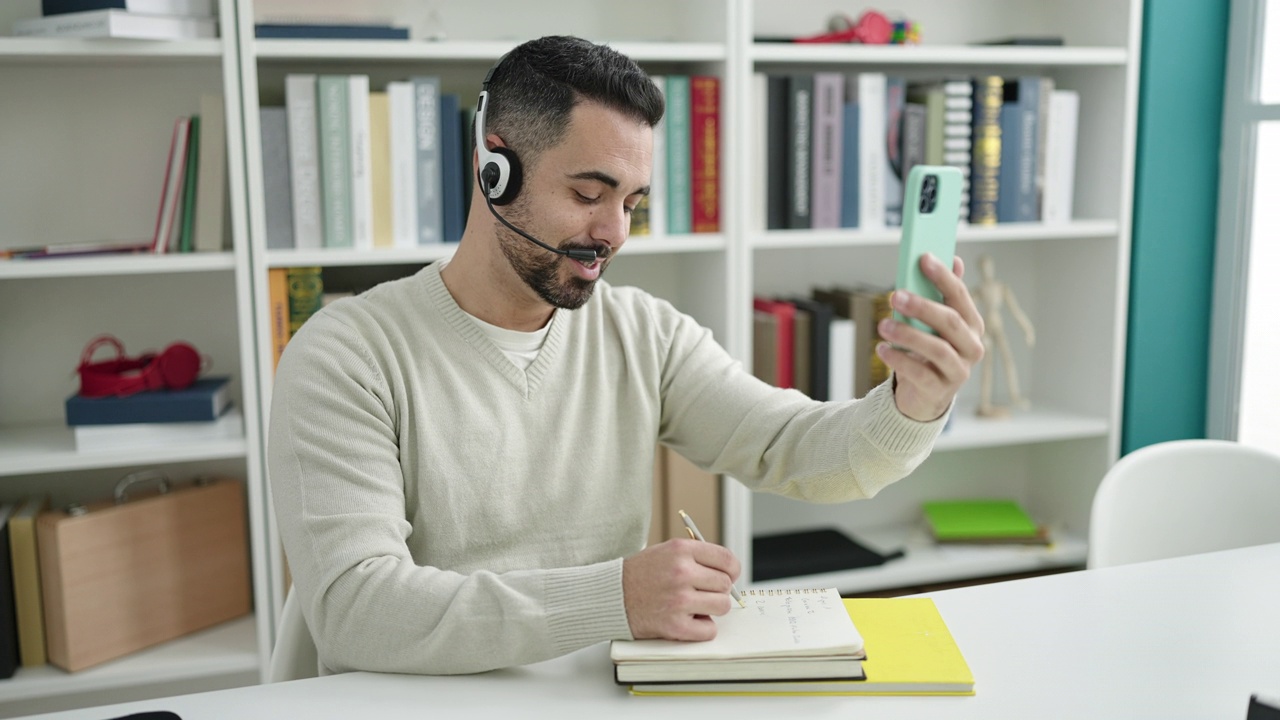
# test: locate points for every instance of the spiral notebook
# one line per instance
(800, 634)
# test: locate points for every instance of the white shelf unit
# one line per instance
(87, 124)
(667, 36)
(1072, 280)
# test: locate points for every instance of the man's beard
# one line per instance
(539, 268)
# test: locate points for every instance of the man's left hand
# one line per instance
(930, 369)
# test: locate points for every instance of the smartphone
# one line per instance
(930, 216)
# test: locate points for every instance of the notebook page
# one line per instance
(775, 623)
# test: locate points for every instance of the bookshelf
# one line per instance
(1072, 278)
(87, 124)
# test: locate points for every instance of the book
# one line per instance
(982, 521)
(1060, 157)
(453, 169)
(780, 634)
(278, 310)
(704, 143)
(657, 197)
(380, 168)
(194, 8)
(426, 98)
(873, 160)
(827, 150)
(132, 436)
(119, 24)
(1019, 152)
(204, 400)
(895, 176)
(306, 295)
(171, 190)
(801, 349)
(909, 651)
(186, 227)
(849, 173)
(679, 157)
(403, 161)
(799, 174)
(764, 346)
(304, 161)
(773, 151)
(810, 552)
(9, 654)
(25, 556)
(211, 182)
(785, 339)
(334, 133)
(324, 31)
(984, 178)
(276, 185)
(361, 162)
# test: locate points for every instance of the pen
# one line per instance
(697, 535)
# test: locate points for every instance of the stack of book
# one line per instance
(193, 194)
(822, 345)
(22, 623)
(805, 642)
(138, 19)
(155, 418)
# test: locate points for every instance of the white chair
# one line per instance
(1185, 497)
(294, 656)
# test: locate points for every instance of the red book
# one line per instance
(704, 132)
(785, 312)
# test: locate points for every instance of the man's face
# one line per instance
(579, 194)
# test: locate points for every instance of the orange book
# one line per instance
(704, 131)
(278, 293)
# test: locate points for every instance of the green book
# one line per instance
(333, 121)
(981, 521)
(189, 186)
(679, 157)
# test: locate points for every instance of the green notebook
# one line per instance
(981, 521)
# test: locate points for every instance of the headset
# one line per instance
(174, 368)
(501, 175)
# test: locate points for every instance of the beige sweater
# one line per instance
(445, 512)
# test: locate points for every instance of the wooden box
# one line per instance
(127, 573)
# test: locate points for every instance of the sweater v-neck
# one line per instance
(525, 381)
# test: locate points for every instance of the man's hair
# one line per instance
(534, 89)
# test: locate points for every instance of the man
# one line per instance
(460, 460)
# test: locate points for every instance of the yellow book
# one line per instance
(28, 606)
(380, 167)
(909, 652)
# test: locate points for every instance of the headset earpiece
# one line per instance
(503, 174)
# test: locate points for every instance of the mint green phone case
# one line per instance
(928, 226)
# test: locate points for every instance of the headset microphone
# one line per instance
(580, 254)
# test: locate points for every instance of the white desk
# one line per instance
(1185, 638)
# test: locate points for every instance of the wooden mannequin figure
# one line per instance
(992, 296)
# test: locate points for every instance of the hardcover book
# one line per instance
(204, 400)
(194, 8)
(290, 31)
(704, 143)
